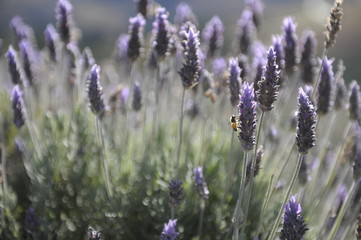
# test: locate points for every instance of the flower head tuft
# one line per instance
(200, 184)
(64, 20)
(17, 105)
(135, 39)
(306, 123)
(290, 45)
(169, 232)
(95, 91)
(325, 89)
(13, 66)
(175, 193)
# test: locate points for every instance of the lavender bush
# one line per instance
(141, 149)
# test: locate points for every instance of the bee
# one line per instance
(233, 122)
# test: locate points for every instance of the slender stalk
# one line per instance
(172, 213)
(3, 166)
(180, 130)
(265, 205)
(287, 196)
(342, 212)
(230, 167)
(249, 192)
(240, 197)
(201, 217)
(103, 157)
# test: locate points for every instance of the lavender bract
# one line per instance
(213, 36)
(169, 232)
(290, 45)
(190, 71)
(308, 57)
(268, 86)
(17, 106)
(95, 92)
(234, 81)
(135, 39)
(247, 118)
(184, 13)
(293, 226)
(199, 183)
(306, 123)
(13, 66)
(325, 89)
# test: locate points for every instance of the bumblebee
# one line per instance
(233, 122)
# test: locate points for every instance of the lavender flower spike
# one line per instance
(234, 81)
(246, 32)
(256, 7)
(333, 24)
(268, 86)
(341, 89)
(13, 66)
(325, 89)
(280, 57)
(199, 183)
(247, 117)
(137, 97)
(135, 40)
(64, 20)
(308, 57)
(306, 123)
(28, 59)
(184, 13)
(95, 92)
(51, 39)
(17, 105)
(290, 45)
(293, 227)
(355, 101)
(213, 36)
(169, 231)
(190, 71)
(175, 193)
(161, 34)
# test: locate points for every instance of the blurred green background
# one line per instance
(101, 22)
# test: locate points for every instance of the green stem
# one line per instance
(103, 157)
(240, 197)
(265, 205)
(230, 167)
(251, 180)
(287, 196)
(201, 217)
(180, 130)
(342, 212)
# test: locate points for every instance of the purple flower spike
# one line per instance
(137, 97)
(246, 32)
(135, 39)
(290, 45)
(244, 66)
(280, 57)
(247, 117)
(200, 184)
(325, 89)
(306, 123)
(95, 92)
(51, 39)
(175, 193)
(190, 71)
(256, 7)
(268, 86)
(184, 13)
(213, 36)
(28, 59)
(234, 81)
(259, 62)
(13, 66)
(355, 101)
(64, 20)
(308, 57)
(17, 105)
(294, 227)
(169, 232)
(161, 34)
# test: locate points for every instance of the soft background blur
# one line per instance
(101, 22)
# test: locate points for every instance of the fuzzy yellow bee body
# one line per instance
(233, 122)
